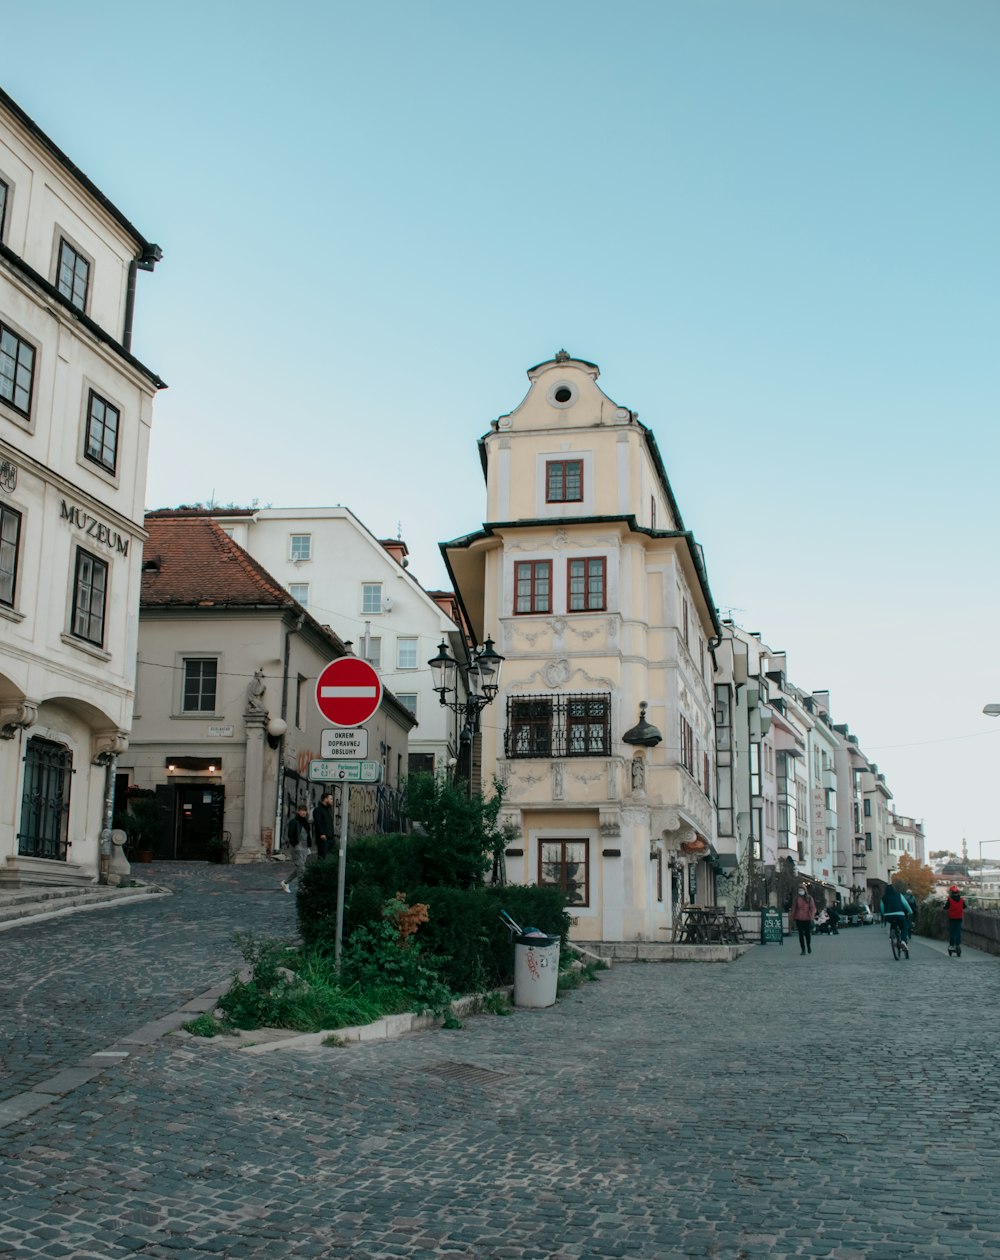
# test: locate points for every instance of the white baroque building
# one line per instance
(75, 414)
(361, 587)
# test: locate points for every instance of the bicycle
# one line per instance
(899, 946)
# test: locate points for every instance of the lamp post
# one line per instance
(482, 680)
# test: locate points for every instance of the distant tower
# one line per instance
(965, 853)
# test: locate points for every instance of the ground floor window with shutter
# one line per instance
(565, 864)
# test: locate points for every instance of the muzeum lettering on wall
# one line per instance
(51, 752)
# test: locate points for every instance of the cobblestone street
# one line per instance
(663, 1111)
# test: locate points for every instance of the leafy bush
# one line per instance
(471, 947)
(930, 920)
(376, 957)
(299, 989)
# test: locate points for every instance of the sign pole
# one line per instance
(345, 796)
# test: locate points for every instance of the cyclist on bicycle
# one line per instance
(896, 909)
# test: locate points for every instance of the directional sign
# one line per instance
(348, 691)
(345, 771)
(344, 743)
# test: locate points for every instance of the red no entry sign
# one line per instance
(348, 691)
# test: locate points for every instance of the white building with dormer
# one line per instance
(362, 588)
(75, 414)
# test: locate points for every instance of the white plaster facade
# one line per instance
(75, 413)
(598, 599)
(358, 585)
(230, 759)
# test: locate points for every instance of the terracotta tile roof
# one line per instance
(189, 561)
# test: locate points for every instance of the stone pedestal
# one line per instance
(119, 868)
(249, 849)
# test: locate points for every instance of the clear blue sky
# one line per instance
(773, 223)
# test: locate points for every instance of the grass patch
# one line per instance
(299, 989)
(497, 1004)
(203, 1026)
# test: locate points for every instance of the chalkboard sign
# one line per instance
(771, 927)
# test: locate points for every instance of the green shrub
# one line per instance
(299, 989)
(930, 920)
(375, 956)
(471, 947)
(377, 868)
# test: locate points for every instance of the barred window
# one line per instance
(558, 726)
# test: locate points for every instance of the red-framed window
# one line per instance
(687, 746)
(533, 586)
(564, 481)
(586, 585)
(565, 864)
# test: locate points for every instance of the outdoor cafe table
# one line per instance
(707, 925)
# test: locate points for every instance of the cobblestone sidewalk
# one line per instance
(840, 1105)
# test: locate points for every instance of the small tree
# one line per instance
(458, 833)
(915, 875)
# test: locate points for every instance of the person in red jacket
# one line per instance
(801, 916)
(955, 906)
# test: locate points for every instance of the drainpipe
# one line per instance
(110, 769)
(129, 305)
(147, 260)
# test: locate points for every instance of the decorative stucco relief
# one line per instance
(558, 790)
(613, 793)
(17, 717)
(106, 744)
(581, 776)
(610, 823)
(558, 673)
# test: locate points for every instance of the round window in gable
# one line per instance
(562, 394)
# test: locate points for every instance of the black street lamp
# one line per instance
(482, 684)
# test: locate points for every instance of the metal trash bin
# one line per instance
(536, 969)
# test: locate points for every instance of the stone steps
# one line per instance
(20, 905)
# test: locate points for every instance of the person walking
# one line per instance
(834, 920)
(323, 826)
(955, 906)
(298, 839)
(801, 915)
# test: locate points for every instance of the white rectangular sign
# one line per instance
(344, 743)
(345, 771)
